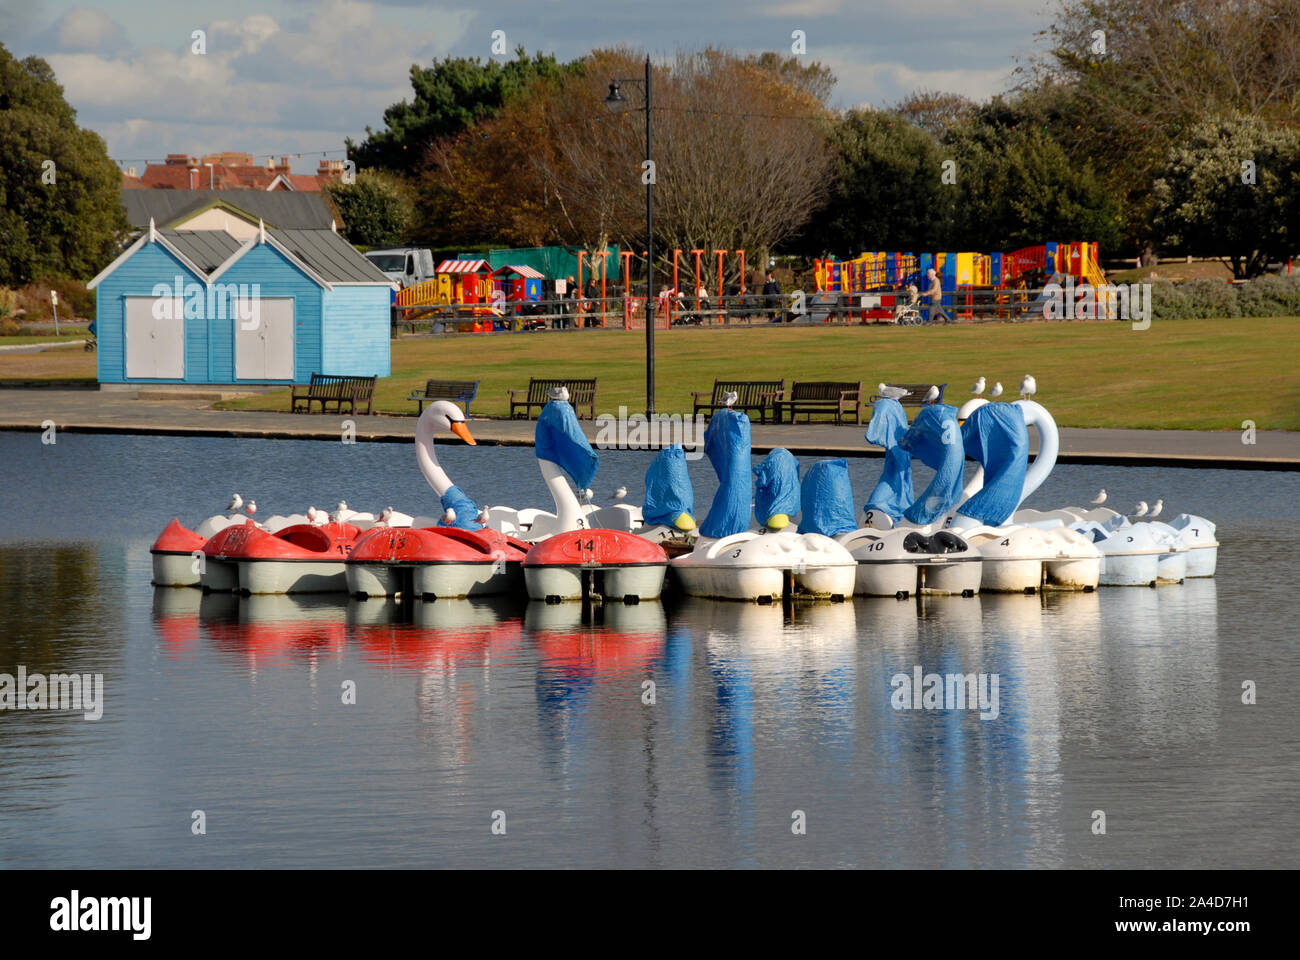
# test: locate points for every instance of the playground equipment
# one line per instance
(1003, 279)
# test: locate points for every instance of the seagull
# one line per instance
(730, 397)
(559, 393)
(892, 393)
(1155, 511)
(316, 517)
(341, 512)
(1028, 387)
(1141, 510)
(979, 387)
(251, 507)
(588, 494)
(996, 391)
(620, 494)
(483, 516)
(931, 395)
(385, 515)
(1100, 498)
(448, 517)
(236, 502)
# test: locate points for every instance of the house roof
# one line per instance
(523, 271)
(463, 266)
(324, 255)
(283, 209)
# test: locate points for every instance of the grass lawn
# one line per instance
(63, 363)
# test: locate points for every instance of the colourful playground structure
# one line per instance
(1002, 280)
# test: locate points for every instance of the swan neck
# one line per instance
(428, 460)
(568, 512)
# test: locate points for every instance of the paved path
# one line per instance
(93, 411)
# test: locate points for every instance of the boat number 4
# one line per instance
(589, 546)
(1006, 542)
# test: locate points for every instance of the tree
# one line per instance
(376, 209)
(60, 194)
(449, 98)
(934, 112)
(1232, 191)
(886, 190)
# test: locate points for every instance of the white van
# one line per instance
(406, 266)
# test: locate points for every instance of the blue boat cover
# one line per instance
(560, 440)
(996, 437)
(668, 490)
(935, 440)
(726, 442)
(827, 499)
(893, 493)
(466, 509)
(776, 485)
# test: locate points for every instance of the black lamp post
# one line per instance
(616, 101)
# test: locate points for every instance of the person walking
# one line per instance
(772, 296)
(934, 290)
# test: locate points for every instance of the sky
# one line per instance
(298, 76)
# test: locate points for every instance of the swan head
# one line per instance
(445, 415)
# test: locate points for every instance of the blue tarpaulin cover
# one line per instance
(668, 490)
(827, 499)
(560, 440)
(726, 443)
(466, 509)
(893, 493)
(776, 485)
(995, 436)
(935, 440)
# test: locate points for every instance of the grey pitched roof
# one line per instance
(284, 209)
(330, 255)
(206, 249)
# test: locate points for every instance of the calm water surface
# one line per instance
(1126, 701)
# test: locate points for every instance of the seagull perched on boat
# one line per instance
(1100, 498)
(1141, 510)
(979, 387)
(1028, 387)
(316, 517)
(997, 390)
(341, 512)
(588, 495)
(385, 515)
(448, 517)
(729, 398)
(236, 503)
(250, 508)
(559, 393)
(892, 393)
(1155, 511)
(620, 494)
(931, 395)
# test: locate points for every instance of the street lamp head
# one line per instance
(615, 100)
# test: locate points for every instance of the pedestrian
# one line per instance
(772, 296)
(934, 290)
(569, 307)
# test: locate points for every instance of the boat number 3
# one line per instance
(736, 554)
(1130, 539)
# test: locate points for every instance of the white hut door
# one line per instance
(155, 346)
(264, 343)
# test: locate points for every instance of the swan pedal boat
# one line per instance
(433, 562)
(302, 558)
(905, 561)
(599, 564)
(767, 566)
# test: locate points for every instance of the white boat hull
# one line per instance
(885, 579)
(219, 576)
(1011, 575)
(1202, 561)
(957, 578)
(554, 582)
(1172, 567)
(1072, 573)
(450, 580)
(1130, 569)
(175, 570)
(292, 576)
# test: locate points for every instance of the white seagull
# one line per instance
(620, 494)
(892, 393)
(1028, 386)
(341, 512)
(385, 515)
(1141, 510)
(730, 397)
(931, 395)
(997, 390)
(559, 393)
(316, 517)
(979, 387)
(251, 507)
(448, 517)
(1155, 511)
(1100, 498)
(236, 502)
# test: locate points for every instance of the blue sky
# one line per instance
(292, 76)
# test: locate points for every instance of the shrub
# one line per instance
(1212, 298)
(1169, 301)
(1270, 297)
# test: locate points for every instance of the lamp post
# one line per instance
(616, 101)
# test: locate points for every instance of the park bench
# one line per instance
(457, 391)
(327, 389)
(820, 396)
(916, 393)
(755, 395)
(582, 393)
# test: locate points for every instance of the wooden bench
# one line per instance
(820, 396)
(916, 394)
(327, 388)
(753, 395)
(457, 391)
(582, 393)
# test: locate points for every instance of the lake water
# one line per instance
(1127, 701)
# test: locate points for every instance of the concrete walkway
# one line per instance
(93, 411)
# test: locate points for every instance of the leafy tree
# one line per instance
(70, 226)
(1233, 190)
(376, 209)
(886, 191)
(449, 98)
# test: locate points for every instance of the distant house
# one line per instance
(228, 171)
(206, 306)
(237, 212)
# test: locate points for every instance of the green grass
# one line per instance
(27, 339)
(1185, 374)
